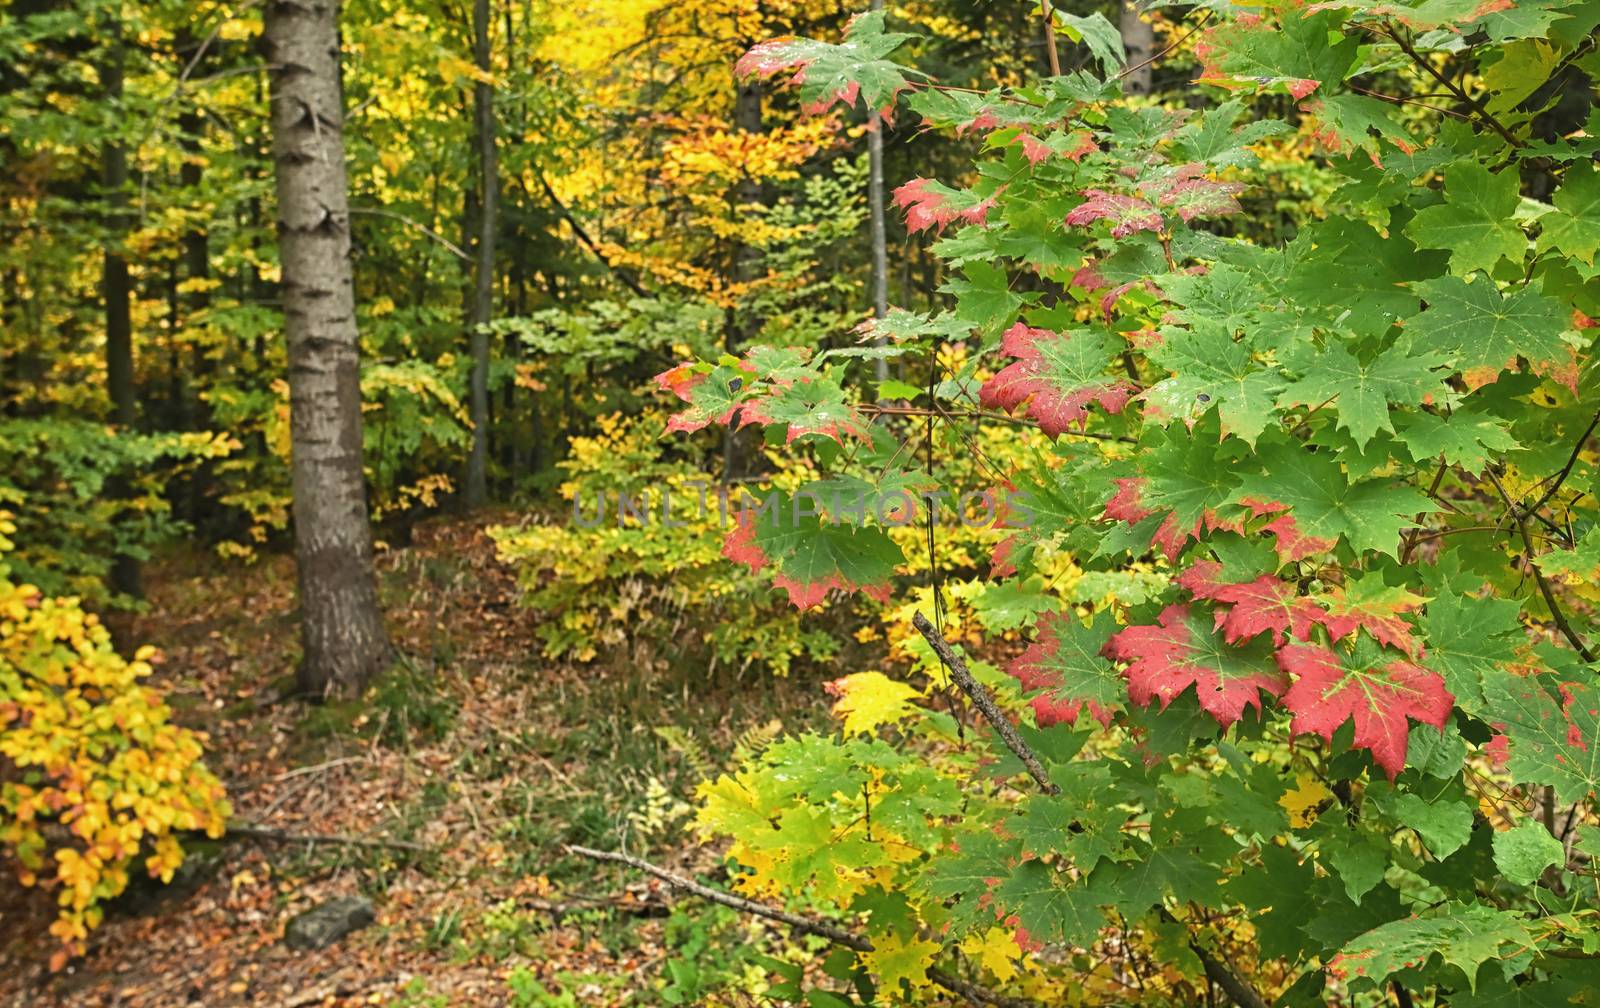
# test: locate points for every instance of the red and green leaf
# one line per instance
(1182, 650)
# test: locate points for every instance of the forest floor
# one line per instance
(476, 749)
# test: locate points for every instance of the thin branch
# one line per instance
(583, 236)
(1050, 38)
(805, 925)
(1556, 614)
(1239, 990)
(1175, 43)
(255, 832)
(414, 225)
(1427, 66)
(985, 703)
(917, 411)
(1566, 470)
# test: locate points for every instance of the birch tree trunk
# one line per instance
(341, 627)
(880, 239)
(1139, 41)
(477, 488)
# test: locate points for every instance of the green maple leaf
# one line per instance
(1444, 823)
(1548, 741)
(1464, 438)
(1475, 221)
(1344, 274)
(1463, 935)
(984, 297)
(1484, 332)
(1325, 505)
(1581, 563)
(1211, 369)
(809, 557)
(839, 73)
(1364, 390)
(1217, 139)
(1048, 906)
(1469, 638)
(1188, 476)
(1573, 226)
(1523, 852)
(1356, 121)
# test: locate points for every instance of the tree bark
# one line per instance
(738, 326)
(116, 289)
(880, 239)
(477, 488)
(1139, 41)
(341, 627)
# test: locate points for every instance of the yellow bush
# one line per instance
(93, 774)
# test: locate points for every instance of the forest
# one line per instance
(745, 503)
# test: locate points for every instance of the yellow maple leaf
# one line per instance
(895, 958)
(869, 699)
(1301, 802)
(996, 950)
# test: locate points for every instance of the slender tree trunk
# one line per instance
(195, 242)
(1139, 41)
(880, 235)
(477, 488)
(341, 627)
(738, 327)
(116, 289)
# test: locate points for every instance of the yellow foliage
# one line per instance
(93, 768)
(870, 699)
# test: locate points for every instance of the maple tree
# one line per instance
(1352, 471)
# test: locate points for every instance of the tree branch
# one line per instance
(455, 249)
(985, 703)
(1239, 990)
(805, 925)
(1556, 614)
(1478, 107)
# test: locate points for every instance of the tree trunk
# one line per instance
(880, 240)
(1139, 41)
(116, 288)
(341, 627)
(738, 327)
(477, 488)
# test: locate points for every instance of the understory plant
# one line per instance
(1300, 533)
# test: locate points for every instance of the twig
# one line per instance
(805, 925)
(1175, 43)
(917, 411)
(1556, 614)
(985, 703)
(1566, 470)
(408, 222)
(589, 243)
(1050, 38)
(318, 767)
(283, 836)
(1238, 989)
(1478, 107)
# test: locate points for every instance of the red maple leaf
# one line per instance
(1379, 613)
(1062, 373)
(1182, 651)
(1267, 603)
(1378, 693)
(928, 204)
(1128, 214)
(1292, 544)
(1190, 194)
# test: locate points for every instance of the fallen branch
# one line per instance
(985, 703)
(254, 832)
(804, 925)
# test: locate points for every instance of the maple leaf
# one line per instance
(1365, 389)
(1062, 373)
(1476, 222)
(1183, 650)
(1463, 935)
(1248, 609)
(830, 74)
(1548, 741)
(1573, 226)
(1369, 603)
(1127, 214)
(1190, 194)
(1212, 370)
(870, 699)
(929, 204)
(810, 558)
(808, 408)
(1484, 332)
(1374, 690)
(1073, 146)
(714, 394)
(1347, 122)
(1066, 662)
(1326, 505)
(1293, 55)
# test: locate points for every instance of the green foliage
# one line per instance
(1302, 525)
